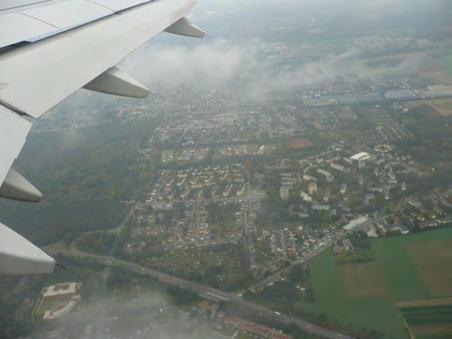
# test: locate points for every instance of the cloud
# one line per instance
(220, 64)
(170, 63)
(349, 64)
(207, 64)
(363, 7)
(147, 316)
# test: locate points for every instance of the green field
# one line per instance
(447, 61)
(436, 274)
(400, 272)
(440, 314)
(363, 280)
(374, 313)
(341, 294)
(432, 320)
(439, 336)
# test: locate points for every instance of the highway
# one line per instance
(202, 290)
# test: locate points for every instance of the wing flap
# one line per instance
(185, 28)
(119, 5)
(13, 133)
(16, 27)
(48, 18)
(68, 49)
(16, 187)
(116, 82)
(68, 13)
(19, 256)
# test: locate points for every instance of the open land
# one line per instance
(363, 280)
(406, 271)
(436, 273)
(441, 106)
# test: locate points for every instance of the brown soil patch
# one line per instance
(425, 302)
(433, 260)
(431, 330)
(441, 106)
(299, 143)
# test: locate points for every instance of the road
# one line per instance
(99, 326)
(248, 229)
(117, 230)
(315, 252)
(203, 290)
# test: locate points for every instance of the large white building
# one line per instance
(358, 223)
(58, 300)
(362, 156)
(60, 289)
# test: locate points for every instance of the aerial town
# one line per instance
(257, 214)
(238, 200)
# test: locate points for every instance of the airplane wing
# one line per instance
(50, 49)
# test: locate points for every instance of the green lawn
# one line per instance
(403, 279)
(377, 313)
(331, 299)
(394, 258)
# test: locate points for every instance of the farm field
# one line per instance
(378, 295)
(359, 311)
(400, 272)
(428, 316)
(447, 61)
(438, 68)
(441, 106)
(363, 280)
(435, 273)
(299, 143)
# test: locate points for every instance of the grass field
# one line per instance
(332, 299)
(447, 61)
(428, 316)
(363, 280)
(438, 69)
(401, 275)
(368, 295)
(441, 314)
(436, 274)
(442, 106)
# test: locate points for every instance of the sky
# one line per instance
(170, 62)
(230, 55)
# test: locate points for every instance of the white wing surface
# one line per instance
(50, 49)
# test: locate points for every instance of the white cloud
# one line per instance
(209, 64)
(147, 316)
(220, 63)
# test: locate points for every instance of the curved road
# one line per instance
(203, 290)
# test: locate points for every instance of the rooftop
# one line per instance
(361, 156)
